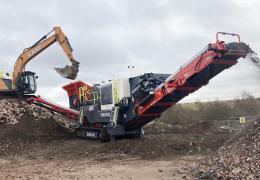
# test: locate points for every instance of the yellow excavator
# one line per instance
(24, 82)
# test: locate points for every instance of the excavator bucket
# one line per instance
(69, 72)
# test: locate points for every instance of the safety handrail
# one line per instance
(225, 33)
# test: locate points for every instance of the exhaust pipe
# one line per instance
(69, 72)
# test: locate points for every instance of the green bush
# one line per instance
(189, 113)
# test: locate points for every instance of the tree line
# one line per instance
(183, 114)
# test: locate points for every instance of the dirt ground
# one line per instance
(34, 146)
(85, 159)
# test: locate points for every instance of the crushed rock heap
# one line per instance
(22, 123)
(12, 110)
(238, 158)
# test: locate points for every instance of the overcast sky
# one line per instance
(108, 35)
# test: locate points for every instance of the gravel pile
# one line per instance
(22, 123)
(13, 110)
(238, 158)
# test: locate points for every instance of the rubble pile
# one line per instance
(22, 123)
(13, 110)
(238, 158)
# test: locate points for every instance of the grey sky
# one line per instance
(108, 35)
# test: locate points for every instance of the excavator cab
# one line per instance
(27, 83)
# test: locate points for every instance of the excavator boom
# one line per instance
(24, 82)
(28, 54)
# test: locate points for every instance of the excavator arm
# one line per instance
(56, 35)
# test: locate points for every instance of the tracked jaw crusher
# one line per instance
(122, 107)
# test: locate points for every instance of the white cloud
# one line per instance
(154, 36)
